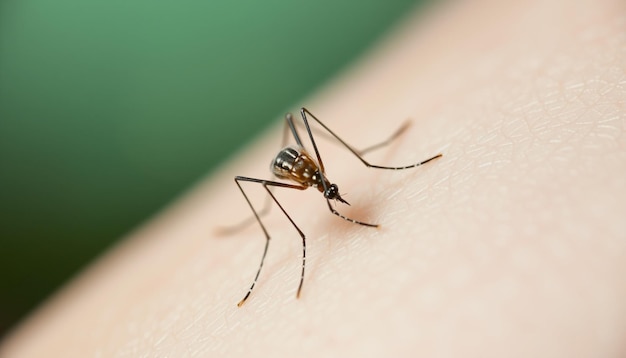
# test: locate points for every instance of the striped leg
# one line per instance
(304, 113)
(267, 184)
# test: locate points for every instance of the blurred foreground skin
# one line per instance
(511, 245)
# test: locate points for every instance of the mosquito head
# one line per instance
(332, 193)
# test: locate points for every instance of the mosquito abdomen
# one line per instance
(296, 164)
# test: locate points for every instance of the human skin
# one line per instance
(513, 244)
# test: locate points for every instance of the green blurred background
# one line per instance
(109, 109)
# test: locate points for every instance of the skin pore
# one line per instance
(512, 244)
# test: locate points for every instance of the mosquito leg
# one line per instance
(371, 148)
(334, 211)
(289, 123)
(267, 241)
(227, 230)
(304, 113)
(267, 184)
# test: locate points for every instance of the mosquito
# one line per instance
(302, 171)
